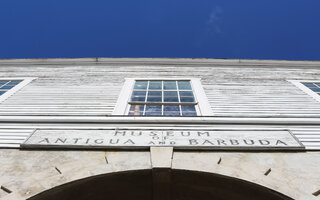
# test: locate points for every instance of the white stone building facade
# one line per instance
(105, 128)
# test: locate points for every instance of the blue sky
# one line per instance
(251, 29)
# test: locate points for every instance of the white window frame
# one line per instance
(298, 83)
(10, 92)
(203, 107)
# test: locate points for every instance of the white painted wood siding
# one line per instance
(12, 138)
(233, 89)
(88, 88)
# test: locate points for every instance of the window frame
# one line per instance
(299, 84)
(10, 92)
(203, 107)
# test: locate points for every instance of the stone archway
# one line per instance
(176, 185)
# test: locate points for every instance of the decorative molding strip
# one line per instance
(160, 120)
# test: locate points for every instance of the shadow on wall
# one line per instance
(139, 185)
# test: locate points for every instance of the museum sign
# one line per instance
(179, 139)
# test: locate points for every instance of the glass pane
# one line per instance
(153, 113)
(14, 82)
(171, 99)
(184, 85)
(2, 92)
(155, 85)
(154, 99)
(136, 110)
(315, 89)
(139, 93)
(136, 107)
(171, 108)
(186, 93)
(187, 99)
(154, 93)
(189, 114)
(312, 87)
(153, 108)
(171, 113)
(135, 113)
(138, 99)
(141, 85)
(7, 87)
(3, 82)
(309, 84)
(170, 93)
(188, 108)
(169, 85)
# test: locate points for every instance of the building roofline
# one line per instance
(165, 61)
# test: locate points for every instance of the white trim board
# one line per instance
(24, 82)
(123, 99)
(298, 83)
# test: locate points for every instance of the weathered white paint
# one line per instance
(233, 88)
(238, 91)
(161, 157)
(82, 94)
(12, 138)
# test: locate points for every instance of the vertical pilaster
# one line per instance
(161, 161)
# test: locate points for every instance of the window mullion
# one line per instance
(162, 98)
(180, 109)
(145, 101)
(6, 83)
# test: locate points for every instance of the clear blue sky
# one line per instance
(253, 29)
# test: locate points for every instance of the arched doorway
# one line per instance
(139, 185)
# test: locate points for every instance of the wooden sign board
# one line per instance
(179, 139)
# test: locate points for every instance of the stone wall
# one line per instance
(26, 173)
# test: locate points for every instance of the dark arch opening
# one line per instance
(139, 185)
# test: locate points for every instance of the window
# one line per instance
(315, 87)
(9, 86)
(6, 85)
(162, 97)
(308, 86)
(170, 98)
